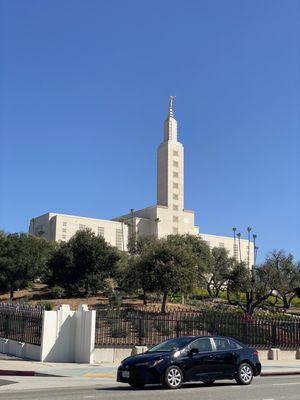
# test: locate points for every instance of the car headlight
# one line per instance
(156, 362)
(143, 364)
(149, 363)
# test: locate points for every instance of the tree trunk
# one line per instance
(11, 294)
(182, 299)
(228, 294)
(144, 298)
(209, 290)
(164, 302)
(286, 305)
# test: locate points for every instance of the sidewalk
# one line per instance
(274, 367)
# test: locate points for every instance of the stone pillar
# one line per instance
(68, 336)
(85, 335)
(274, 354)
(138, 350)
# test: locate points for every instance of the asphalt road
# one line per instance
(271, 388)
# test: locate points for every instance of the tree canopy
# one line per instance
(164, 267)
(220, 265)
(83, 263)
(23, 259)
(286, 276)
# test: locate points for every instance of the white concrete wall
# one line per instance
(170, 175)
(228, 243)
(111, 354)
(20, 349)
(85, 335)
(61, 227)
(40, 226)
(68, 336)
(58, 335)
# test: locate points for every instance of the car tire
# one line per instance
(208, 382)
(244, 374)
(136, 385)
(173, 377)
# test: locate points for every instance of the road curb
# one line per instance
(13, 372)
(278, 373)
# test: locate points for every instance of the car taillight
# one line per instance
(255, 353)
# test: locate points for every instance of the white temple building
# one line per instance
(167, 216)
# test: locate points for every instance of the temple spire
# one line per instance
(171, 113)
(170, 127)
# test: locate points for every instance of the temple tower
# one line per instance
(170, 166)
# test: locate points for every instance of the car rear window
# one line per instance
(226, 344)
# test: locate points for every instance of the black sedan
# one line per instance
(191, 358)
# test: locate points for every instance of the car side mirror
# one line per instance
(192, 352)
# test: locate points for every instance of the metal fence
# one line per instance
(21, 323)
(148, 329)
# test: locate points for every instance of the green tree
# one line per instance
(166, 267)
(23, 259)
(83, 263)
(198, 250)
(286, 276)
(135, 247)
(219, 268)
(248, 288)
(130, 279)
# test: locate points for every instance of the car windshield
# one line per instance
(171, 345)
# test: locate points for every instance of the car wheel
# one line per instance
(173, 377)
(136, 385)
(245, 374)
(208, 382)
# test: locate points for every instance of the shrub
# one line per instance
(57, 292)
(46, 304)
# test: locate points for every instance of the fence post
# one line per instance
(140, 330)
(23, 324)
(6, 326)
(274, 334)
(177, 327)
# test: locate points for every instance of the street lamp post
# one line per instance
(249, 230)
(255, 248)
(234, 243)
(240, 251)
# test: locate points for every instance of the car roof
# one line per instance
(211, 336)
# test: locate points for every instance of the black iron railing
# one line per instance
(21, 323)
(133, 328)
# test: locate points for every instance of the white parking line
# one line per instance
(284, 384)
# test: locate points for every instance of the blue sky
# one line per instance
(84, 92)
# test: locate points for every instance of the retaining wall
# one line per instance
(19, 349)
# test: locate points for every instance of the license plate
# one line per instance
(125, 374)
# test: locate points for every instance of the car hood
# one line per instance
(145, 357)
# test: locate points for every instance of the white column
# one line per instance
(85, 334)
(68, 336)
